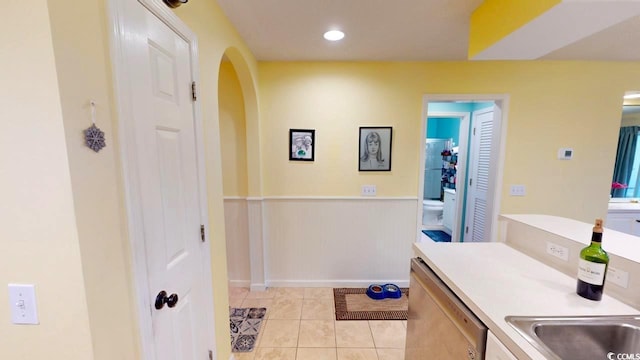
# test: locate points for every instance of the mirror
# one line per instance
(625, 182)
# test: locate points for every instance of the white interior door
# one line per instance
(165, 153)
(482, 174)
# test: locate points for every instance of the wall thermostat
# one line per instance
(565, 153)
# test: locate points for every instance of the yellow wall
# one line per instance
(84, 73)
(37, 219)
(495, 19)
(216, 37)
(63, 222)
(232, 132)
(62, 208)
(552, 105)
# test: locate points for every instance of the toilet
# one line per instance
(432, 212)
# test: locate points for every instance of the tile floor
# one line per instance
(300, 325)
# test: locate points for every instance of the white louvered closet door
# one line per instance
(481, 181)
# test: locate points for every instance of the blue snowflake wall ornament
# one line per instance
(94, 138)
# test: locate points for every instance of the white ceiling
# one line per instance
(620, 42)
(384, 30)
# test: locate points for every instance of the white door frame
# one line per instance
(501, 100)
(118, 38)
(462, 158)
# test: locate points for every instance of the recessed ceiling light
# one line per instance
(334, 35)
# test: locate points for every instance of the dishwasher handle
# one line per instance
(463, 318)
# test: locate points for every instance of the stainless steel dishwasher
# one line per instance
(440, 326)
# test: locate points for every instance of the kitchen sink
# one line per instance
(581, 337)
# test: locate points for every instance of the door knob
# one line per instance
(162, 299)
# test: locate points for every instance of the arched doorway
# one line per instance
(242, 190)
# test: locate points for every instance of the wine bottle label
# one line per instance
(591, 272)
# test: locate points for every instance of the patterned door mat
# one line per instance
(245, 326)
(354, 304)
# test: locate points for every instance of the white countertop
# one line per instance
(495, 281)
(624, 206)
(614, 242)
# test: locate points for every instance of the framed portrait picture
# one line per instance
(375, 149)
(302, 143)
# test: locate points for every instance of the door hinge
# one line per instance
(470, 181)
(466, 230)
(210, 355)
(193, 91)
(202, 232)
(474, 129)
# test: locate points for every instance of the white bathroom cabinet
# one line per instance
(449, 210)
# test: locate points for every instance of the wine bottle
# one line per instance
(592, 266)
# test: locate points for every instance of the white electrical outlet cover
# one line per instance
(618, 277)
(517, 190)
(558, 251)
(368, 190)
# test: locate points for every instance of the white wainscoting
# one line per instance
(256, 244)
(333, 242)
(237, 231)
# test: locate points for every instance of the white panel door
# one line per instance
(482, 177)
(166, 164)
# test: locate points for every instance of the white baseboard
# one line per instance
(335, 283)
(258, 287)
(239, 283)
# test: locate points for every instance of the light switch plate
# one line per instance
(22, 300)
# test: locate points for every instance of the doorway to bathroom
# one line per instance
(442, 156)
(460, 162)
